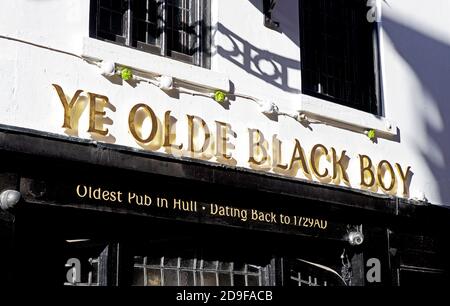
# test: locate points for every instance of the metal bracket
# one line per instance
(268, 6)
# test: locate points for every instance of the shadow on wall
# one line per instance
(430, 60)
(287, 14)
(268, 66)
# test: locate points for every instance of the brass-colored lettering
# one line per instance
(68, 106)
(223, 130)
(384, 166)
(135, 128)
(315, 162)
(337, 163)
(95, 114)
(366, 169)
(170, 132)
(276, 151)
(191, 134)
(298, 156)
(256, 146)
(404, 178)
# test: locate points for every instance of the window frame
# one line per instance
(202, 22)
(375, 107)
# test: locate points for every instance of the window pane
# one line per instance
(187, 263)
(170, 277)
(253, 280)
(210, 265)
(224, 279)
(186, 278)
(239, 280)
(110, 19)
(154, 277)
(224, 266)
(138, 277)
(145, 21)
(181, 26)
(209, 279)
(170, 262)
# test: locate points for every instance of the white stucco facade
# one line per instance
(247, 59)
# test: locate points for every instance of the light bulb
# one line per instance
(9, 198)
(107, 68)
(165, 82)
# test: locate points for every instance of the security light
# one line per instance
(355, 238)
(8, 199)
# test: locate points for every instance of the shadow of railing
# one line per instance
(264, 64)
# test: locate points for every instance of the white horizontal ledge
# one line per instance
(154, 64)
(333, 113)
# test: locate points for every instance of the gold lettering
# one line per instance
(257, 147)
(276, 151)
(380, 175)
(298, 156)
(315, 162)
(366, 170)
(93, 113)
(191, 134)
(223, 130)
(68, 106)
(404, 178)
(338, 163)
(169, 125)
(135, 128)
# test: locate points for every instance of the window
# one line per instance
(338, 53)
(174, 28)
(86, 262)
(192, 271)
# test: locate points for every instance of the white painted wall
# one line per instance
(259, 62)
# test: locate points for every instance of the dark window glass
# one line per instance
(337, 53)
(175, 28)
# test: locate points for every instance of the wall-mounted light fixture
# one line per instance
(268, 107)
(355, 235)
(165, 82)
(107, 68)
(9, 198)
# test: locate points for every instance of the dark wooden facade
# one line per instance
(409, 239)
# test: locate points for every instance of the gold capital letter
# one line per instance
(68, 106)
(380, 175)
(223, 130)
(338, 163)
(404, 177)
(169, 125)
(276, 151)
(298, 156)
(257, 145)
(366, 170)
(93, 113)
(315, 163)
(191, 134)
(134, 128)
